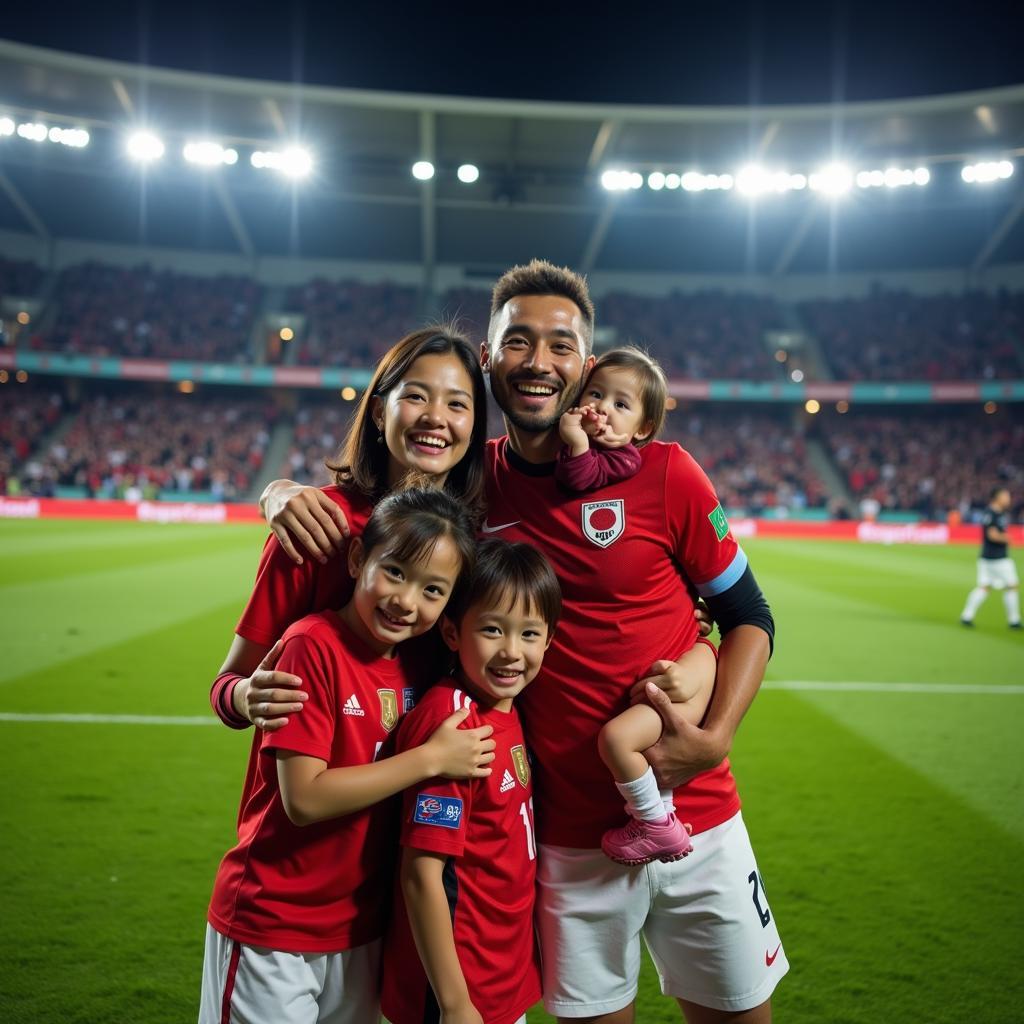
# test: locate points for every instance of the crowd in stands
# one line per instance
(930, 462)
(319, 431)
(28, 415)
(893, 335)
(20, 279)
(144, 446)
(757, 461)
(350, 323)
(703, 336)
(140, 312)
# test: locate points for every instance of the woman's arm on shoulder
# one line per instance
(248, 689)
(304, 515)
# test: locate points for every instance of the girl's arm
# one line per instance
(313, 792)
(431, 924)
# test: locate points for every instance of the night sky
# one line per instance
(686, 53)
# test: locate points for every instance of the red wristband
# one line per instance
(221, 699)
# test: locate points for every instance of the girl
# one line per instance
(423, 416)
(300, 903)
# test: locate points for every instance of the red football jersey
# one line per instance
(323, 887)
(284, 592)
(631, 558)
(485, 827)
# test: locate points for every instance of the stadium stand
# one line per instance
(319, 430)
(143, 446)
(20, 279)
(892, 335)
(351, 323)
(158, 314)
(28, 415)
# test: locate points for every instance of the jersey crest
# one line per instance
(521, 765)
(603, 521)
(388, 708)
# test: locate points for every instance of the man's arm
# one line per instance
(431, 924)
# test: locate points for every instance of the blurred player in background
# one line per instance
(996, 570)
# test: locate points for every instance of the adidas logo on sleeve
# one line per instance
(351, 707)
(507, 782)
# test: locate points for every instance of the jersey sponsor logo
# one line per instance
(351, 707)
(719, 522)
(521, 764)
(444, 811)
(769, 958)
(603, 521)
(487, 528)
(507, 782)
(408, 699)
(388, 708)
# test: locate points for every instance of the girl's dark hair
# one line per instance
(651, 378)
(408, 525)
(362, 464)
(505, 573)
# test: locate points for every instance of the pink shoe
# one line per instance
(639, 842)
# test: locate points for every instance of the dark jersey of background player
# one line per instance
(998, 520)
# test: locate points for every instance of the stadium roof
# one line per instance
(539, 190)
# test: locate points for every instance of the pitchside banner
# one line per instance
(198, 512)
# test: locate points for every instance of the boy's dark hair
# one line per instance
(409, 524)
(504, 573)
(651, 377)
(539, 277)
(362, 464)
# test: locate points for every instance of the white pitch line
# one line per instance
(798, 685)
(871, 687)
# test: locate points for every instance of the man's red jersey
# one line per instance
(323, 887)
(485, 829)
(632, 559)
(284, 592)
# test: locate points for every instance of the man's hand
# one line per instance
(267, 697)
(684, 750)
(570, 430)
(705, 621)
(305, 515)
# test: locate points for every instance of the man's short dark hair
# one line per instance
(539, 277)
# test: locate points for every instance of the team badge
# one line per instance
(521, 764)
(388, 708)
(604, 521)
(719, 522)
(408, 699)
(444, 811)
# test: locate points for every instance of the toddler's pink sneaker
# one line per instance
(639, 842)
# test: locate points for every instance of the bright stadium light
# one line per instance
(986, 172)
(7, 126)
(693, 181)
(209, 154)
(672, 181)
(423, 170)
(468, 173)
(922, 175)
(656, 181)
(621, 181)
(144, 147)
(33, 131)
(293, 162)
(75, 138)
(832, 180)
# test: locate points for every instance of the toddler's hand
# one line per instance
(571, 431)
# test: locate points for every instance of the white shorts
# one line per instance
(705, 920)
(251, 985)
(997, 573)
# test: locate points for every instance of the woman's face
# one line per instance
(427, 418)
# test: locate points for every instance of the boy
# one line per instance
(469, 851)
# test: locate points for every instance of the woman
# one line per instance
(422, 420)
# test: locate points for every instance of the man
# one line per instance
(627, 615)
(995, 567)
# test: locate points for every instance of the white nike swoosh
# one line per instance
(494, 529)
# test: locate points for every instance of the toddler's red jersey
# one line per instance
(284, 592)
(323, 887)
(632, 559)
(484, 827)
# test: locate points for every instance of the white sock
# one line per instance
(668, 800)
(974, 600)
(643, 799)
(1011, 602)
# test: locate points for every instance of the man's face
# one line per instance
(537, 360)
(1002, 500)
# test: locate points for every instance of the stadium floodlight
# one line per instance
(693, 181)
(209, 154)
(922, 175)
(832, 180)
(986, 172)
(7, 126)
(33, 131)
(796, 376)
(423, 170)
(621, 181)
(751, 180)
(144, 147)
(468, 173)
(656, 181)
(293, 162)
(75, 138)
(672, 181)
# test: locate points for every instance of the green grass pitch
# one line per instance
(889, 825)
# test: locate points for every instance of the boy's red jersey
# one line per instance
(631, 559)
(485, 829)
(323, 887)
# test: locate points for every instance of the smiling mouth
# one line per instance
(391, 622)
(535, 390)
(506, 675)
(429, 441)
